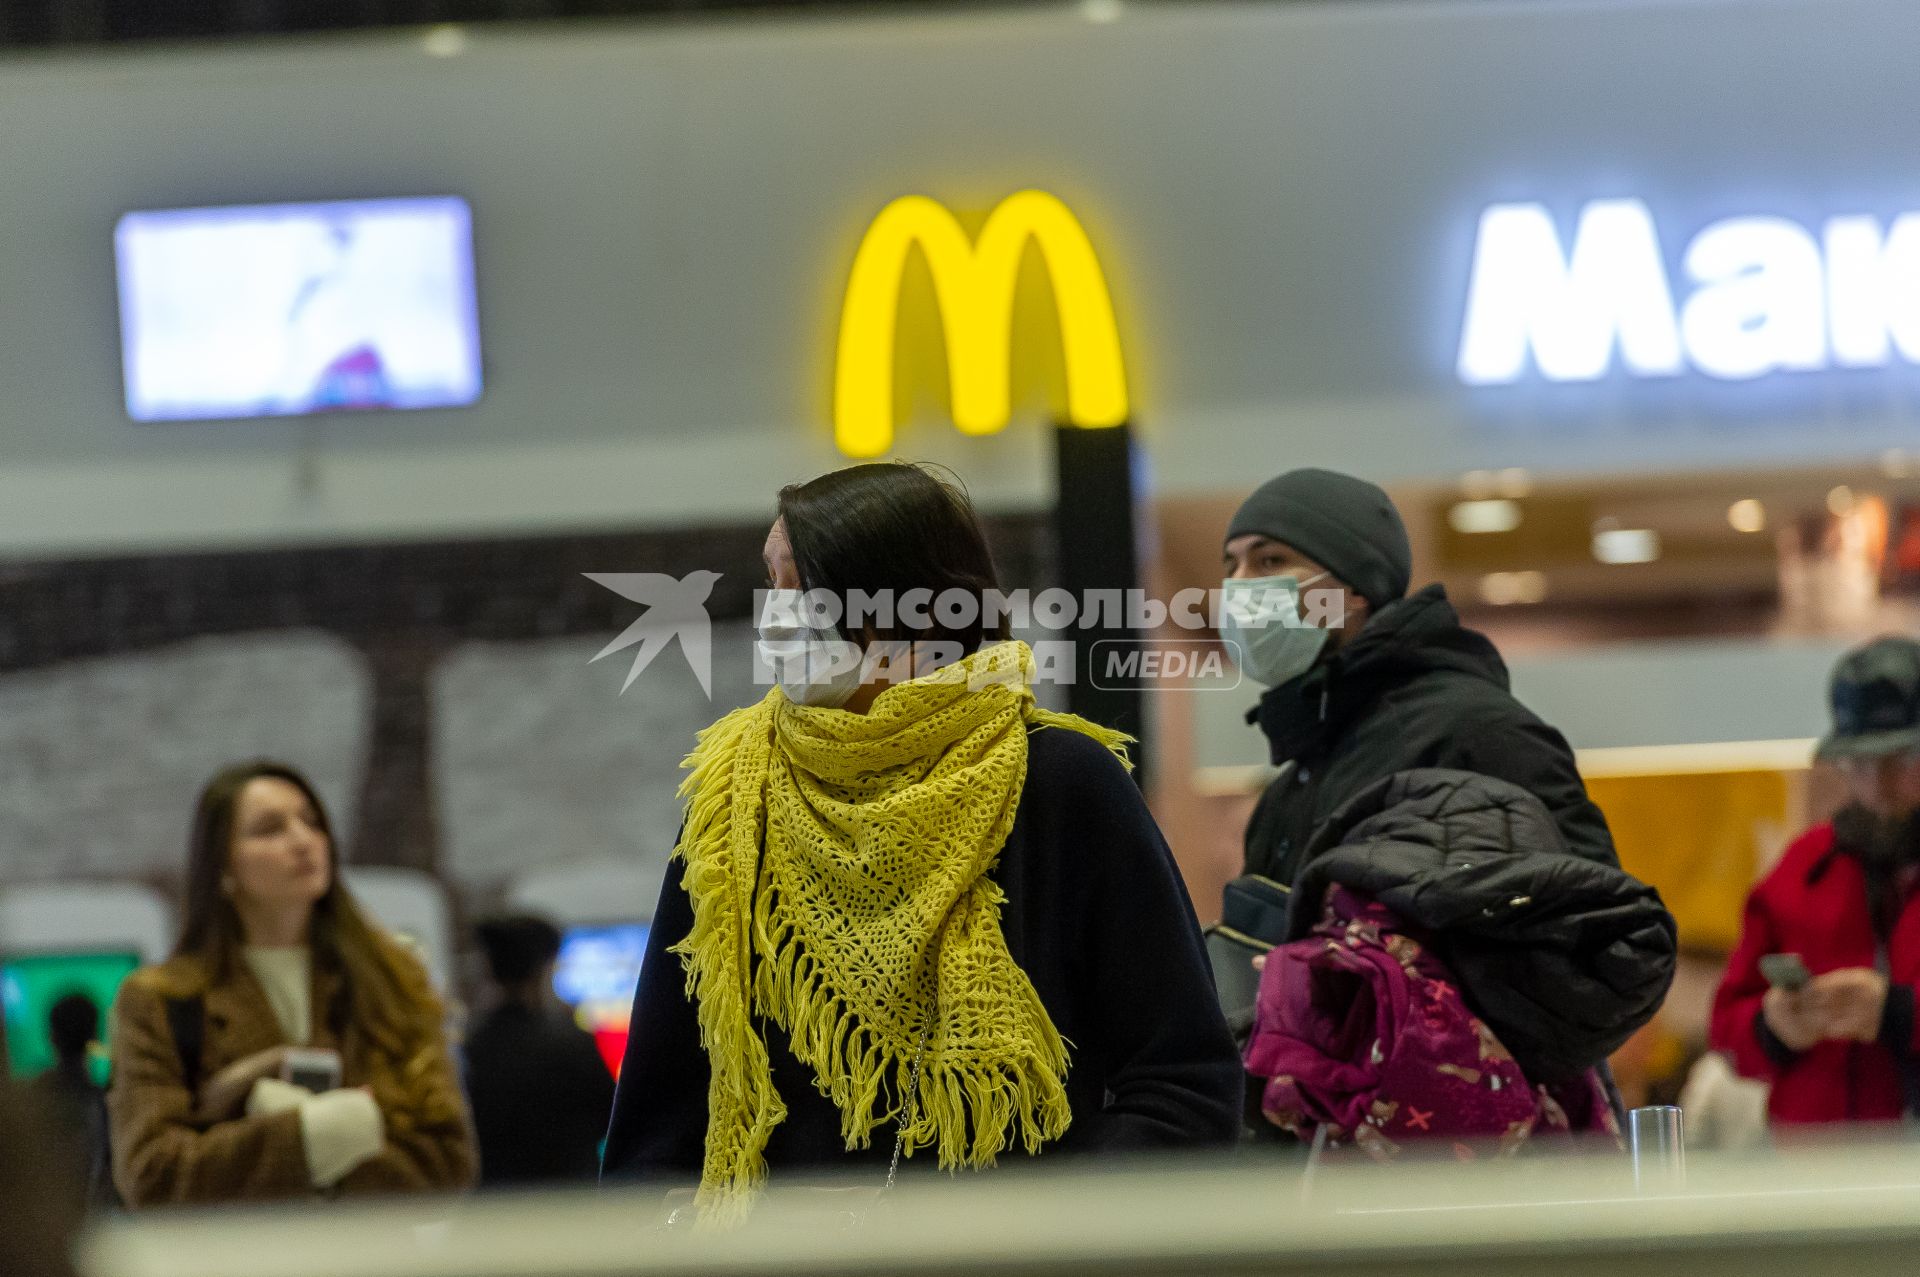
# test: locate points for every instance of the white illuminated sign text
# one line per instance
(1767, 296)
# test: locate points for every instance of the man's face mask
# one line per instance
(814, 665)
(1266, 632)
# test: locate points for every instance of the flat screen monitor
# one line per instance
(597, 973)
(288, 309)
(30, 984)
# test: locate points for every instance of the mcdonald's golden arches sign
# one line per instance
(974, 285)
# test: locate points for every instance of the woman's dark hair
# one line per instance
(375, 996)
(890, 526)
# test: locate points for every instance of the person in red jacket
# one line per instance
(1842, 1048)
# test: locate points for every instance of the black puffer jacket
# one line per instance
(1415, 688)
(1563, 957)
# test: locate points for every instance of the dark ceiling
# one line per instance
(40, 23)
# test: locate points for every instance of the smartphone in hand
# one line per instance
(1785, 971)
(316, 1069)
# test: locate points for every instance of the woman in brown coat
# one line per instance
(276, 958)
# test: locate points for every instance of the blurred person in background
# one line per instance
(1841, 1047)
(38, 1219)
(1389, 682)
(540, 1092)
(919, 916)
(289, 1048)
(75, 1107)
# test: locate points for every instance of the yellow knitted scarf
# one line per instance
(838, 867)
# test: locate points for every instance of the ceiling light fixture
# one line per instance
(1747, 515)
(1626, 545)
(1503, 589)
(1478, 517)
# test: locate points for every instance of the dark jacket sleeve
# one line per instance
(588, 1079)
(1897, 1023)
(1152, 1020)
(659, 1123)
(1266, 845)
(1526, 752)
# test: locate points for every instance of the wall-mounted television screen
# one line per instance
(596, 974)
(32, 983)
(288, 309)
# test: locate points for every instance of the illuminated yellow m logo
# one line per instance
(974, 285)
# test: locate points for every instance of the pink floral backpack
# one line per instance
(1363, 1036)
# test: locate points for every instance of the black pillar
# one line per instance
(1097, 548)
(396, 821)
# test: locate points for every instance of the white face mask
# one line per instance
(814, 666)
(1261, 622)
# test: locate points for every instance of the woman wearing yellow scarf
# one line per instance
(915, 914)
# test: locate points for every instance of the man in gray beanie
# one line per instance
(1368, 680)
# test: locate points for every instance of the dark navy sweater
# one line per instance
(1096, 916)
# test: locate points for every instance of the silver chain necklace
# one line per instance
(911, 1110)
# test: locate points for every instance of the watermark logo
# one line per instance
(1127, 663)
(1254, 605)
(676, 609)
(801, 637)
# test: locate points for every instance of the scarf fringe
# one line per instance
(853, 1063)
(735, 1153)
(1113, 738)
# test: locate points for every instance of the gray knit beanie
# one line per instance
(1347, 525)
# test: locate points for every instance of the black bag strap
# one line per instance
(187, 1018)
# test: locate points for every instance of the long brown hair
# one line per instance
(375, 995)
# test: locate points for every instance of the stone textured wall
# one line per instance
(541, 760)
(103, 758)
